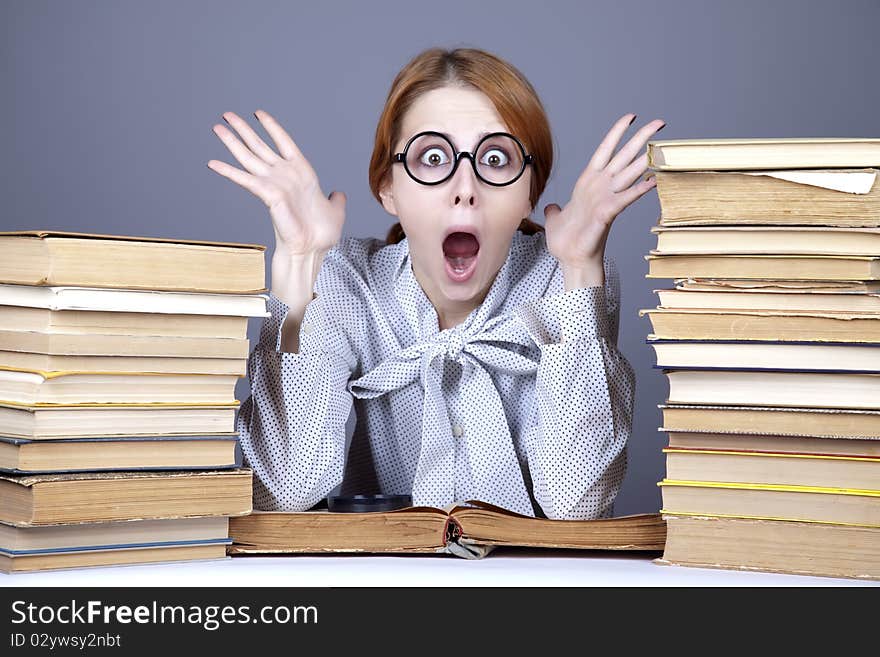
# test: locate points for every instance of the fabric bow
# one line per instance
(499, 344)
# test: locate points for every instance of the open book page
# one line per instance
(485, 524)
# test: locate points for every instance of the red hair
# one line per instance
(513, 96)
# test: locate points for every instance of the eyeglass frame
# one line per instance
(457, 155)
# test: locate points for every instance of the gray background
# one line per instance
(108, 106)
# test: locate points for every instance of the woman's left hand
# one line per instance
(576, 234)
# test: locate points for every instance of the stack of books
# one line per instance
(770, 341)
(118, 363)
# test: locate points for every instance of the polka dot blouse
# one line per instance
(527, 404)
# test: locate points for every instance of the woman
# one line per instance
(479, 352)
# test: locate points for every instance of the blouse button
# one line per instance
(457, 430)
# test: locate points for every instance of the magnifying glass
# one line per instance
(368, 503)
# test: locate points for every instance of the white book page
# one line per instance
(853, 182)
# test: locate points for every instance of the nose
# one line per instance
(465, 183)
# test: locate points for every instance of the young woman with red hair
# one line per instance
(477, 348)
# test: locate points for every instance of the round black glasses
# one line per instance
(429, 158)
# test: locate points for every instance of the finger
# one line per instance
(632, 194)
(247, 159)
(551, 211)
(609, 143)
(338, 199)
(634, 146)
(630, 174)
(286, 146)
(251, 138)
(246, 180)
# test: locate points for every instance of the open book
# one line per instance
(470, 530)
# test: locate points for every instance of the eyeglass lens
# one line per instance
(430, 158)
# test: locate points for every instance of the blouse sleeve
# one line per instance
(292, 426)
(585, 390)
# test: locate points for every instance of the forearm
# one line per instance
(292, 427)
(585, 274)
(293, 282)
(585, 393)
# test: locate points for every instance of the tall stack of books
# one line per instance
(118, 363)
(770, 341)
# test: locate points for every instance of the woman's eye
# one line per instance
(434, 157)
(495, 157)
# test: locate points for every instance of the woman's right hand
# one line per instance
(306, 222)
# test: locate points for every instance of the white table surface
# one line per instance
(504, 567)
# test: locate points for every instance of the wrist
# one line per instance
(294, 276)
(589, 273)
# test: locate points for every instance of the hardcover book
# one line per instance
(162, 452)
(774, 388)
(802, 300)
(102, 420)
(773, 443)
(767, 239)
(763, 266)
(802, 198)
(763, 467)
(54, 258)
(70, 388)
(798, 548)
(121, 556)
(53, 499)
(763, 153)
(765, 354)
(777, 420)
(45, 363)
(25, 549)
(114, 344)
(842, 506)
(787, 326)
(133, 301)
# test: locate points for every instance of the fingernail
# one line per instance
(257, 115)
(633, 119)
(661, 127)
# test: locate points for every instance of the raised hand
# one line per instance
(306, 222)
(576, 234)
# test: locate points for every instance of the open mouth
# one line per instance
(460, 251)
